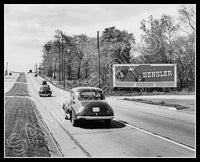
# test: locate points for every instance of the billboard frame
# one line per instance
(147, 84)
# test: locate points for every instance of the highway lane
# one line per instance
(168, 123)
(53, 115)
(93, 139)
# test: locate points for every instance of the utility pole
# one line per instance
(51, 69)
(64, 72)
(36, 68)
(62, 56)
(6, 68)
(98, 55)
(59, 63)
(55, 69)
(43, 71)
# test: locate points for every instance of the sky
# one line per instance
(27, 27)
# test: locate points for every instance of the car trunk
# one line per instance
(96, 108)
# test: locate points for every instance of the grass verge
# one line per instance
(178, 104)
(19, 89)
(21, 78)
(23, 135)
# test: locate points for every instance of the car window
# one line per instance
(45, 88)
(91, 95)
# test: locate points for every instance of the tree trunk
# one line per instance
(69, 72)
(79, 68)
(180, 81)
(86, 70)
(59, 66)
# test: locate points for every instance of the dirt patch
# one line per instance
(23, 135)
(22, 77)
(19, 89)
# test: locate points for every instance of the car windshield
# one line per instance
(91, 95)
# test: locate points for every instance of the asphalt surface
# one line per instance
(138, 130)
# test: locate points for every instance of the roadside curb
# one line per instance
(151, 105)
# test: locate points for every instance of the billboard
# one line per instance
(144, 75)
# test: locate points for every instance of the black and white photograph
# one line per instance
(99, 80)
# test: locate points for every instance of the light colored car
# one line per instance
(88, 103)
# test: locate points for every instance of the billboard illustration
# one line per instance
(144, 75)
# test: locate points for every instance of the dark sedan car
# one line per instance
(88, 103)
(44, 82)
(45, 91)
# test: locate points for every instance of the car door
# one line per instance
(71, 102)
(67, 103)
(75, 105)
(71, 98)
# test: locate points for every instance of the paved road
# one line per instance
(136, 131)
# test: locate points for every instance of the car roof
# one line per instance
(81, 89)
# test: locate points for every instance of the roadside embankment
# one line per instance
(180, 104)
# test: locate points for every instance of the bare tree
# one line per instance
(187, 17)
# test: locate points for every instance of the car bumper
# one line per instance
(95, 117)
(45, 94)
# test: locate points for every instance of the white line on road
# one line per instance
(153, 134)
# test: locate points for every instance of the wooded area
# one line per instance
(164, 40)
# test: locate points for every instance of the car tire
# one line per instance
(107, 122)
(66, 116)
(73, 120)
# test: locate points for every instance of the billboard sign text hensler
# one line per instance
(144, 75)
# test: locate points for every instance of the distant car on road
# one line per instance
(44, 82)
(10, 73)
(35, 75)
(88, 103)
(45, 91)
